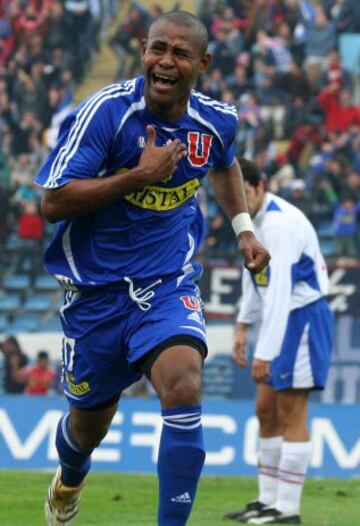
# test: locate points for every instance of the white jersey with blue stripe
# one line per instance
(296, 275)
(151, 232)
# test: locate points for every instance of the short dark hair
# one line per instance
(42, 355)
(251, 172)
(187, 19)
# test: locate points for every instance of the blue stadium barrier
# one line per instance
(28, 426)
(17, 282)
(23, 323)
(38, 303)
(3, 323)
(46, 283)
(10, 303)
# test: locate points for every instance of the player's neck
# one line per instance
(165, 112)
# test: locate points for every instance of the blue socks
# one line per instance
(75, 461)
(181, 458)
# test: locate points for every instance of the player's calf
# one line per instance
(181, 458)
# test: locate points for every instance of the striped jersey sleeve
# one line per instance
(84, 141)
(222, 119)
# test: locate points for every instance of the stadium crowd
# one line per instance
(284, 64)
(46, 48)
(277, 61)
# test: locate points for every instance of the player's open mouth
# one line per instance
(163, 80)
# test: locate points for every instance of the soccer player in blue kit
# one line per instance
(121, 184)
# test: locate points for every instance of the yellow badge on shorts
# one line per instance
(161, 199)
(262, 278)
(77, 389)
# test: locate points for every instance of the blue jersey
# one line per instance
(155, 231)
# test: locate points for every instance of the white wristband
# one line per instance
(242, 222)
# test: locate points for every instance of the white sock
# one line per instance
(294, 461)
(268, 462)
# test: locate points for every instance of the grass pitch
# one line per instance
(130, 500)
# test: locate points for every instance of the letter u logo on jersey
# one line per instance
(199, 155)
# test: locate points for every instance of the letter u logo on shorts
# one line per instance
(195, 156)
(191, 302)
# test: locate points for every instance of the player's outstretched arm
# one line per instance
(229, 191)
(239, 344)
(83, 196)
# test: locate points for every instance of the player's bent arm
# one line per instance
(250, 304)
(84, 196)
(241, 327)
(282, 241)
(228, 186)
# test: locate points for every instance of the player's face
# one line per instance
(172, 60)
(254, 197)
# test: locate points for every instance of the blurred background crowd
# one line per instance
(291, 68)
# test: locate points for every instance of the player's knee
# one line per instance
(289, 419)
(267, 415)
(181, 390)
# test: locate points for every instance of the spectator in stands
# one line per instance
(240, 82)
(22, 170)
(39, 41)
(214, 85)
(348, 19)
(249, 122)
(340, 114)
(38, 378)
(297, 114)
(299, 197)
(320, 39)
(133, 27)
(219, 235)
(305, 138)
(78, 42)
(31, 223)
(223, 55)
(59, 106)
(294, 82)
(345, 226)
(335, 73)
(56, 32)
(14, 359)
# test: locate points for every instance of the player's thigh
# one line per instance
(94, 353)
(292, 407)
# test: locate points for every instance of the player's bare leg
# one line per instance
(176, 377)
(78, 433)
(270, 440)
(294, 460)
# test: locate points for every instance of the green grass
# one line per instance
(130, 500)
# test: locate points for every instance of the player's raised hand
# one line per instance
(256, 257)
(239, 346)
(159, 162)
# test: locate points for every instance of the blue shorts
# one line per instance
(106, 332)
(305, 356)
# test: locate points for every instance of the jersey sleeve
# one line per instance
(276, 301)
(85, 139)
(250, 303)
(225, 157)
